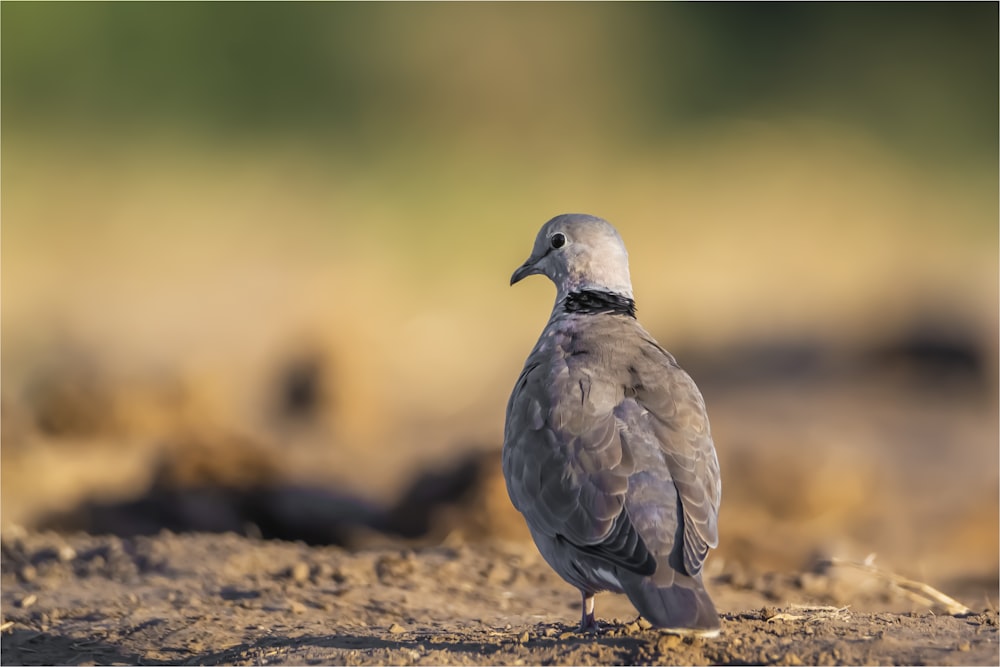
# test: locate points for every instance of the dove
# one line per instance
(607, 448)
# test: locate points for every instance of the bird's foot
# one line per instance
(589, 624)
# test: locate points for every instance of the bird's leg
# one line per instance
(588, 623)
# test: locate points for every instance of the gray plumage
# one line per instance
(607, 449)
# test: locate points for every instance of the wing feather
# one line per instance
(572, 471)
(567, 471)
(679, 422)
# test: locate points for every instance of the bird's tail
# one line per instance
(683, 607)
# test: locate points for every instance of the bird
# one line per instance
(607, 451)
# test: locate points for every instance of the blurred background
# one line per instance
(255, 261)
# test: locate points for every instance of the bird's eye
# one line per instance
(558, 240)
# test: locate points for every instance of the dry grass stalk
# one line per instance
(811, 613)
(915, 590)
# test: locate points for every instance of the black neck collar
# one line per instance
(592, 302)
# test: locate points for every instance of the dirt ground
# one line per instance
(227, 599)
(223, 553)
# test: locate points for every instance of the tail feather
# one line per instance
(683, 606)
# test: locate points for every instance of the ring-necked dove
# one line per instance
(607, 451)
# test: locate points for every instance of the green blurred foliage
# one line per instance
(922, 76)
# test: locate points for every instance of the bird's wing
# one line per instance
(564, 462)
(679, 423)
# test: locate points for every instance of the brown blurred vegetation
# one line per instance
(255, 260)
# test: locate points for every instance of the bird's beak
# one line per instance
(529, 268)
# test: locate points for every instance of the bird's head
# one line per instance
(579, 252)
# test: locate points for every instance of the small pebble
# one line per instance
(396, 629)
(524, 637)
(297, 607)
(66, 553)
(28, 600)
(964, 646)
(299, 572)
(27, 573)
(643, 623)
